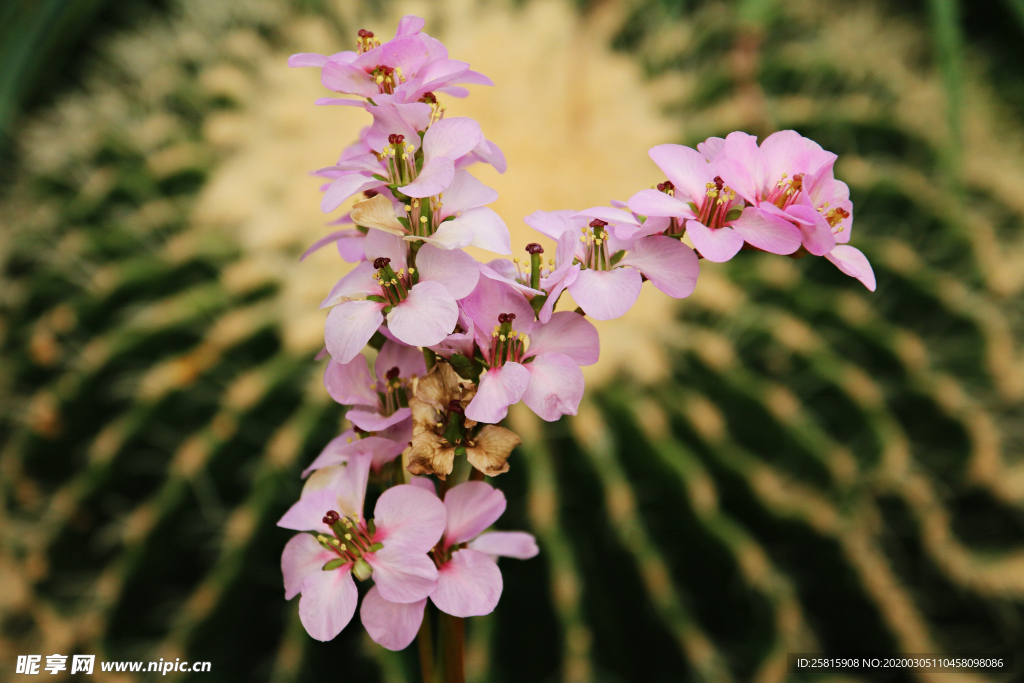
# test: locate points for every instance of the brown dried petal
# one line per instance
(428, 454)
(377, 212)
(491, 448)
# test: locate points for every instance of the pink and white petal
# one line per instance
(566, 332)
(307, 59)
(347, 79)
(435, 176)
(453, 268)
(609, 215)
(606, 294)
(343, 188)
(350, 246)
(738, 177)
(328, 239)
(714, 244)
(426, 317)
(328, 602)
(491, 298)
(466, 192)
(356, 285)
(711, 147)
(490, 153)
(557, 283)
(503, 271)
(685, 167)
(468, 585)
(400, 434)
(453, 90)
(367, 164)
(817, 233)
(392, 625)
(450, 235)
(425, 483)
(653, 225)
(387, 245)
(766, 231)
(350, 383)
(349, 326)
(517, 544)
(854, 263)
(670, 265)
(451, 138)
(499, 388)
(554, 223)
(403, 573)
(301, 557)
(472, 507)
(655, 203)
(742, 148)
(781, 151)
(556, 386)
(397, 119)
(407, 514)
(409, 25)
(408, 360)
(488, 229)
(306, 514)
(346, 483)
(334, 453)
(340, 101)
(373, 422)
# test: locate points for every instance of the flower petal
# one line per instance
(409, 25)
(766, 231)
(377, 212)
(350, 383)
(852, 261)
(307, 59)
(569, 333)
(517, 544)
(606, 294)
(408, 360)
(356, 285)
(301, 557)
(554, 223)
(670, 265)
(817, 233)
(426, 317)
(449, 235)
(556, 386)
(433, 178)
(490, 449)
(464, 193)
(499, 388)
(472, 507)
(397, 119)
(374, 422)
(655, 203)
(328, 602)
(711, 147)
(333, 453)
(468, 585)
(392, 625)
(487, 228)
(403, 573)
(455, 269)
(685, 167)
(451, 138)
(409, 515)
(343, 188)
(490, 299)
(347, 79)
(387, 245)
(742, 148)
(350, 325)
(714, 244)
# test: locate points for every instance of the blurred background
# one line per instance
(784, 462)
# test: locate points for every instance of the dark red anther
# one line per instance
(455, 407)
(363, 33)
(385, 70)
(380, 262)
(719, 182)
(429, 98)
(666, 186)
(502, 318)
(534, 248)
(598, 223)
(392, 374)
(331, 517)
(396, 139)
(370, 194)
(510, 317)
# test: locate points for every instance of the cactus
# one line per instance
(819, 470)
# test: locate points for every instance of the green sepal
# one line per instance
(378, 176)
(537, 302)
(334, 564)
(405, 222)
(460, 450)
(376, 297)
(450, 218)
(363, 229)
(419, 164)
(617, 256)
(465, 367)
(733, 213)
(362, 569)
(371, 527)
(370, 100)
(375, 547)
(694, 207)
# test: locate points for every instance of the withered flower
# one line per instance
(441, 430)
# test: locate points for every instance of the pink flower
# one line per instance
(388, 397)
(538, 363)
(713, 216)
(348, 445)
(469, 582)
(391, 548)
(420, 303)
(604, 282)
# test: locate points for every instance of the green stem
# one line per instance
(426, 646)
(453, 647)
(430, 357)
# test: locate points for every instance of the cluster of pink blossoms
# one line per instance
(455, 342)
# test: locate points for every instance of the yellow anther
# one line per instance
(515, 260)
(342, 547)
(502, 337)
(380, 79)
(423, 219)
(408, 208)
(348, 537)
(583, 239)
(321, 538)
(394, 281)
(411, 271)
(349, 439)
(409, 148)
(439, 425)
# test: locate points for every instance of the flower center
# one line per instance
(352, 538)
(387, 78)
(399, 158)
(395, 394)
(835, 217)
(394, 286)
(507, 345)
(595, 245)
(786, 191)
(366, 41)
(718, 198)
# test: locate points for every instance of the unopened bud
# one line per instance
(362, 569)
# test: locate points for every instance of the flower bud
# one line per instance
(362, 569)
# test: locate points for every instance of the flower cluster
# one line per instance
(455, 342)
